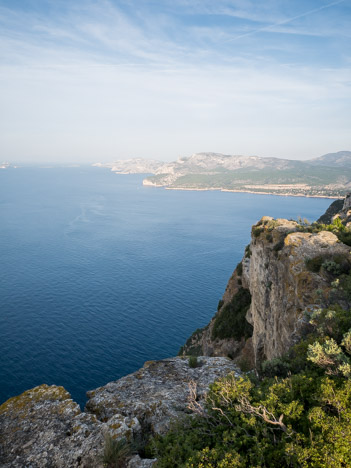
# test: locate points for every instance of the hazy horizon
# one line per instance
(86, 81)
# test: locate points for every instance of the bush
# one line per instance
(231, 321)
(300, 419)
(256, 231)
(314, 264)
(332, 267)
(274, 367)
(116, 452)
(247, 251)
(279, 245)
(193, 362)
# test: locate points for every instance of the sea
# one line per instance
(99, 274)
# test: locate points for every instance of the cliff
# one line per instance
(43, 427)
(283, 274)
(288, 270)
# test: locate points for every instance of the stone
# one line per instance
(43, 427)
(158, 392)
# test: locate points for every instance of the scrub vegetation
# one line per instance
(296, 412)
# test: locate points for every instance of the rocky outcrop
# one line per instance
(282, 285)
(333, 209)
(158, 392)
(278, 269)
(43, 427)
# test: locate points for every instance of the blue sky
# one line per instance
(87, 81)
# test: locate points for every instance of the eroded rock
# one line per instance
(158, 392)
(43, 427)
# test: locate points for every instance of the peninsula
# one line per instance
(326, 176)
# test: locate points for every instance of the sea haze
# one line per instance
(99, 274)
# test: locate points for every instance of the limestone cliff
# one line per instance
(280, 277)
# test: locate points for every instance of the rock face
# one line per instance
(275, 271)
(43, 427)
(282, 286)
(158, 392)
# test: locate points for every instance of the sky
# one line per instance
(99, 80)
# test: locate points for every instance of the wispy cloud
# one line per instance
(128, 78)
(273, 27)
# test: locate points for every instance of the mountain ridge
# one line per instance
(326, 176)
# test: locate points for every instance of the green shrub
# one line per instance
(279, 245)
(298, 417)
(314, 264)
(274, 367)
(332, 267)
(256, 231)
(193, 362)
(231, 321)
(247, 251)
(239, 269)
(345, 237)
(116, 452)
(345, 284)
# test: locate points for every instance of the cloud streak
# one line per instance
(109, 81)
(271, 27)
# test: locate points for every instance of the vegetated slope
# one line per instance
(294, 410)
(325, 176)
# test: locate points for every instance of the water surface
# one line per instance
(99, 274)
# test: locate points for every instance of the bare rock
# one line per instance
(43, 427)
(158, 392)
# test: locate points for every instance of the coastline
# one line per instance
(218, 189)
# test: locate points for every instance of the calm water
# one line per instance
(99, 274)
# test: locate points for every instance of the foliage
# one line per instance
(337, 227)
(256, 231)
(116, 452)
(239, 269)
(230, 322)
(297, 414)
(314, 264)
(248, 251)
(193, 362)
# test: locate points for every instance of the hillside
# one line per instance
(326, 176)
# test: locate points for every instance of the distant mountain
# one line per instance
(340, 159)
(132, 166)
(327, 176)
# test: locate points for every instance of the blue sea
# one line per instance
(99, 274)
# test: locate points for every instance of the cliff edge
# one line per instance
(288, 269)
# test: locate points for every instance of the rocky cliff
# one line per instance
(43, 427)
(289, 269)
(286, 271)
